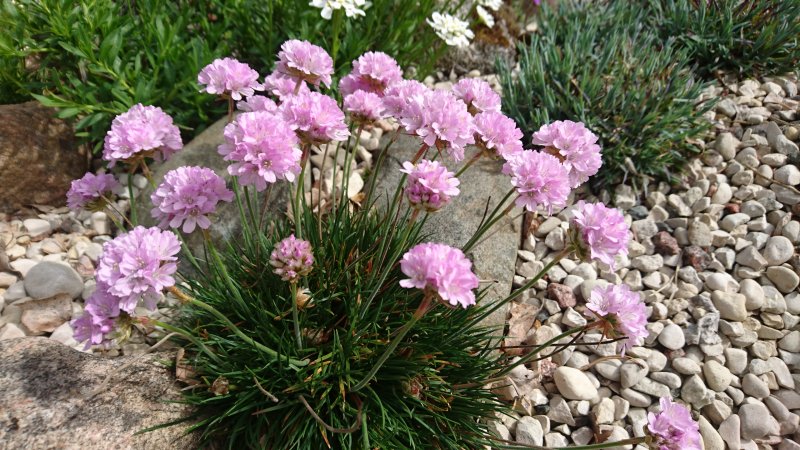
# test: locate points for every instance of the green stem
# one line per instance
(295, 317)
(337, 26)
(471, 161)
(401, 333)
(298, 232)
(132, 200)
(492, 220)
(188, 337)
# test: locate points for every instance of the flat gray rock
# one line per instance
(46, 399)
(495, 258)
(47, 279)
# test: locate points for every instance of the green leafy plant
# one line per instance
(600, 64)
(743, 37)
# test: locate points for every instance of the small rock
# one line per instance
(685, 366)
(726, 145)
(47, 279)
(756, 421)
(753, 386)
(730, 306)
(750, 257)
(671, 337)
(696, 257)
(753, 293)
(717, 376)
(37, 227)
(778, 250)
(45, 315)
(729, 431)
(574, 384)
(665, 244)
(529, 431)
(711, 439)
(562, 294)
(631, 374)
(785, 279)
(788, 174)
(10, 331)
(790, 342)
(699, 234)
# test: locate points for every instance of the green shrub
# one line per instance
(748, 38)
(600, 64)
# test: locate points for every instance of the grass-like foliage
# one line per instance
(428, 394)
(600, 63)
(749, 38)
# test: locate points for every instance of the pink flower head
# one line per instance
(430, 185)
(187, 196)
(305, 61)
(292, 258)
(440, 269)
(372, 72)
(621, 314)
(599, 231)
(138, 265)
(442, 121)
(87, 191)
(282, 86)
(540, 180)
(257, 103)
(145, 131)
(316, 118)
(478, 95)
(364, 107)
(99, 318)
(673, 428)
(400, 95)
(574, 145)
(262, 148)
(229, 77)
(495, 133)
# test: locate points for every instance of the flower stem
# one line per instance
(230, 109)
(132, 199)
(424, 307)
(295, 317)
(420, 153)
(471, 161)
(300, 188)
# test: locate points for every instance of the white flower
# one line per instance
(352, 8)
(485, 16)
(494, 5)
(452, 30)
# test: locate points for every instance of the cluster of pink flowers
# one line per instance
(292, 258)
(399, 96)
(134, 267)
(187, 196)
(478, 95)
(141, 131)
(262, 148)
(316, 118)
(372, 72)
(441, 120)
(430, 185)
(257, 103)
(304, 61)
(573, 144)
(540, 180)
(497, 134)
(673, 428)
(599, 230)
(90, 189)
(364, 107)
(282, 86)
(229, 77)
(621, 314)
(442, 270)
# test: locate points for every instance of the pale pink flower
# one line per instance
(282, 86)
(430, 185)
(497, 134)
(292, 258)
(621, 313)
(90, 190)
(400, 95)
(478, 95)
(229, 77)
(574, 145)
(540, 180)
(598, 232)
(316, 118)
(187, 196)
(441, 120)
(145, 131)
(305, 61)
(99, 319)
(442, 270)
(257, 103)
(372, 72)
(262, 148)
(673, 428)
(364, 107)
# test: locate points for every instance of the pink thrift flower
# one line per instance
(478, 95)
(87, 191)
(372, 72)
(495, 133)
(430, 185)
(257, 103)
(292, 258)
(99, 319)
(305, 61)
(187, 196)
(229, 77)
(400, 95)
(316, 118)
(540, 180)
(262, 148)
(141, 131)
(282, 86)
(442, 121)
(364, 107)
(574, 145)
(673, 428)
(138, 265)
(600, 231)
(621, 312)
(440, 269)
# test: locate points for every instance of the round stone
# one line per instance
(47, 279)
(717, 376)
(785, 279)
(778, 250)
(672, 337)
(574, 384)
(753, 294)
(788, 174)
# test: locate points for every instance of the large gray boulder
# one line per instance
(494, 259)
(46, 400)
